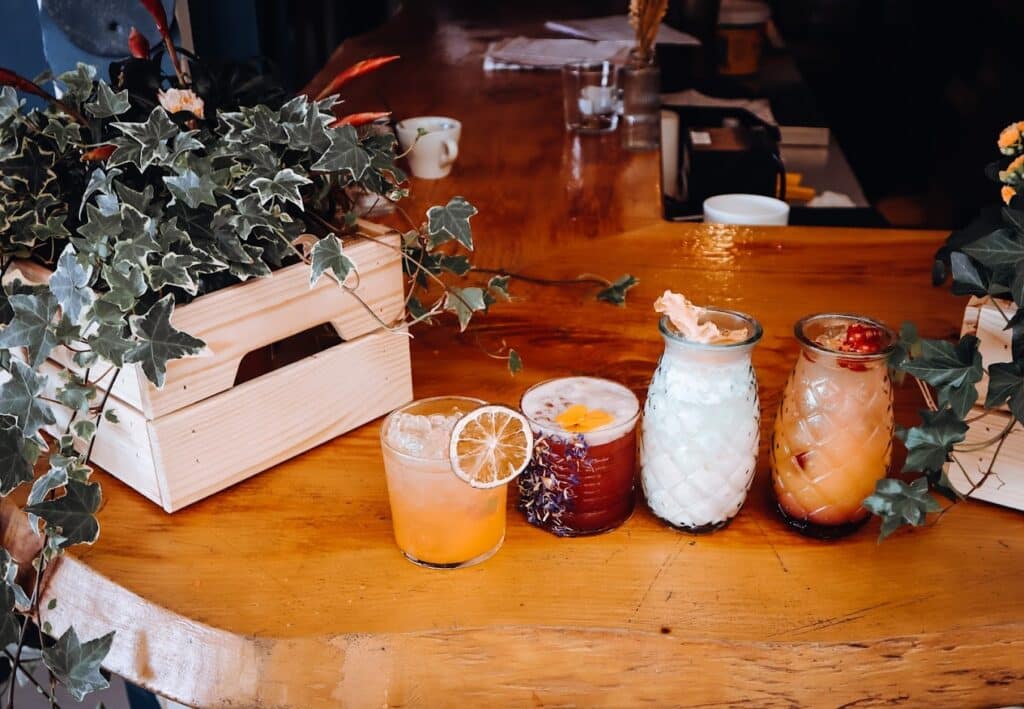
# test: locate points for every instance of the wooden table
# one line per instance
(288, 590)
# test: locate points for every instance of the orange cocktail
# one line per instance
(439, 520)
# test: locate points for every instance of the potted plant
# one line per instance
(132, 197)
(974, 389)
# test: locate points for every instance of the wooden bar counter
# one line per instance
(288, 590)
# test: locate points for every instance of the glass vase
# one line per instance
(832, 438)
(640, 80)
(701, 427)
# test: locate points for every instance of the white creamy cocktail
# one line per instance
(702, 418)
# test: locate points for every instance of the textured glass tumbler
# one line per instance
(701, 427)
(590, 94)
(832, 438)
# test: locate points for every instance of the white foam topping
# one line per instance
(544, 402)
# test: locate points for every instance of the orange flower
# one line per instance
(1011, 139)
(175, 100)
(1008, 193)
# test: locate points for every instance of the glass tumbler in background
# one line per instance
(832, 438)
(591, 96)
(641, 103)
(439, 520)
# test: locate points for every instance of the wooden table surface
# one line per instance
(288, 589)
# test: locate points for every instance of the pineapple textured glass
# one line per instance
(832, 438)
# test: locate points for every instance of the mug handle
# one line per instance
(450, 152)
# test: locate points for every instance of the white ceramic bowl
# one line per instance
(752, 209)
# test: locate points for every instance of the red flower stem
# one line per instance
(9, 78)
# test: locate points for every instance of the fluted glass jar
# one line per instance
(701, 427)
(832, 438)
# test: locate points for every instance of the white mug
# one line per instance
(431, 156)
(745, 209)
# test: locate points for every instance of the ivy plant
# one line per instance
(986, 259)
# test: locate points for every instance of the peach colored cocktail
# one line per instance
(832, 439)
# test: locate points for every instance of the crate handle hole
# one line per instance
(286, 351)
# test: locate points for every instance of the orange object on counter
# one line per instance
(740, 36)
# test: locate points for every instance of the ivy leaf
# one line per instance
(265, 125)
(515, 362)
(70, 285)
(126, 282)
(51, 229)
(84, 429)
(451, 222)
(999, 248)
(32, 326)
(929, 444)
(498, 287)
(76, 396)
(310, 133)
(967, 280)
(78, 81)
(464, 302)
(953, 370)
(327, 255)
(616, 292)
(19, 398)
(107, 103)
(55, 477)
(191, 188)
(73, 514)
(158, 341)
(109, 343)
(10, 104)
(898, 503)
(1006, 383)
(14, 469)
(173, 271)
(284, 186)
(10, 620)
(77, 664)
(345, 153)
(62, 133)
(150, 136)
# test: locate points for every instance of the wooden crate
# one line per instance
(1005, 486)
(202, 433)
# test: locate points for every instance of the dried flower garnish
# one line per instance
(547, 486)
(358, 119)
(686, 319)
(177, 100)
(1007, 193)
(1011, 139)
(99, 154)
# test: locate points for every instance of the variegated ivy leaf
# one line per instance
(31, 167)
(184, 144)
(77, 664)
(78, 82)
(173, 271)
(84, 429)
(126, 282)
(51, 229)
(62, 133)
(236, 126)
(108, 342)
(76, 396)
(250, 215)
(108, 103)
(10, 104)
(344, 154)
(464, 302)
(14, 469)
(327, 255)
(99, 226)
(72, 514)
(135, 250)
(32, 326)
(19, 397)
(101, 181)
(150, 137)
(265, 125)
(191, 188)
(294, 111)
(284, 187)
(310, 132)
(142, 201)
(451, 222)
(55, 477)
(158, 342)
(70, 285)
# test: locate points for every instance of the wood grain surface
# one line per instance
(288, 591)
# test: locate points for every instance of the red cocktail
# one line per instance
(582, 477)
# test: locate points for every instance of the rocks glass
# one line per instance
(590, 93)
(701, 426)
(581, 479)
(832, 439)
(641, 103)
(439, 521)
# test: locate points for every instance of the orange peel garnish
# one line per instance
(580, 419)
